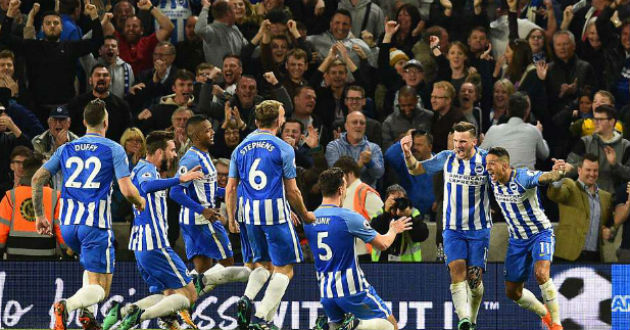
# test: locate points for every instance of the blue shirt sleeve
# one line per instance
(436, 163)
(359, 227)
(54, 163)
(288, 161)
(121, 162)
(187, 162)
(233, 173)
(528, 178)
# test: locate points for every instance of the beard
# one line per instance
(52, 37)
(101, 87)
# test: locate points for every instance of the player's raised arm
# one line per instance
(382, 242)
(413, 165)
(131, 193)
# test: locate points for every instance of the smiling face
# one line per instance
(464, 144)
(232, 70)
(456, 56)
(412, 75)
(340, 26)
(279, 49)
(133, 30)
(205, 134)
(183, 89)
(536, 41)
(563, 47)
(500, 96)
(336, 76)
(467, 95)
(355, 101)
(440, 101)
(588, 172)
(404, 19)
(232, 137)
(238, 8)
(296, 68)
(246, 90)
(6, 66)
(355, 126)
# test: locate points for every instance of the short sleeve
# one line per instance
(188, 162)
(54, 163)
(528, 178)
(233, 167)
(145, 175)
(436, 163)
(121, 162)
(288, 161)
(359, 227)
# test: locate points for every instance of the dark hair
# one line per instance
(193, 121)
(299, 90)
(50, 13)
(277, 16)
(348, 165)
(394, 189)
(420, 132)
(293, 121)
(499, 152)
(68, 6)
(281, 37)
(97, 66)
(31, 164)
(94, 113)
(343, 12)
(433, 31)
(158, 140)
(330, 180)
(356, 88)
(235, 56)
(518, 105)
(21, 151)
(110, 37)
(7, 54)
(413, 12)
(590, 157)
(267, 113)
(220, 9)
(464, 126)
(407, 91)
(608, 110)
(478, 28)
(522, 57)
(183, 75)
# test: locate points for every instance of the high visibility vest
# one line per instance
(360, 196)
(410, 251)
(18, 233)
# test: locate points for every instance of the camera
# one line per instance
(401, 203)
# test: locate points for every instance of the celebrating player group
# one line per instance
(265, 205)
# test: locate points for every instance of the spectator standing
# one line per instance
(365, 16)
(585, 211)
(222, 36)
(445, 114)
(356, 100)
(7, 143)
(296, 65)
(18, 155)
(152, 84)
(189, 50)
(121, 72)
(354, 143)
(408, 115)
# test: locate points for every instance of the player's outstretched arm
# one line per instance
(559, 170)
(230, 204)
(40, 178)
(382, 242)
(154, 185)
(131, 193)
(297, 203)
(413, 165)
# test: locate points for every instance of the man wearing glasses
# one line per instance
(445, 115)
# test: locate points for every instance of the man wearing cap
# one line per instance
(407, 115)
(412, 76)
(57, 134)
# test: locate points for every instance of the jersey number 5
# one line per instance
(92, 162)
(323, 246)
(255, 173)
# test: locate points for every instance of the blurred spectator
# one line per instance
(15, 96)
(51, 63)
(134, 143)
(7, 143)
(412, 74)
(614, 33)
(121, 73)
(177, 12)
(366, 16)
(296, 65)
(315, 15)
(579, 114)
(221, 37)
(354, 144)
(503, 89)
(158, 117)
(70, 13)
(468, 96)
(304, 145)
(419, 187)
(406, 116)
(356, 100)
(304, 103)
(501, 32)
(18, 235)
(190, 50)
(178, 126)
(339, 33)
(135, 48)
(523, 141)
(477, 41)
(608, 145)
(585, 211)
(622, 212)
(424, 54)
(445, 115)
(117, 108)
(17, 157)
(409, 28)
(245, 17)
(361, 198)
(406, 246)
(56, 135)
(539, 45)
(229, 134)
(153, 83)
(603, 54)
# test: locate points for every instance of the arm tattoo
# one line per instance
(549, 177)
(40, 178)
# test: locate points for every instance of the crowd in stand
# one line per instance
(543, 79)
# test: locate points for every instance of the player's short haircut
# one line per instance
(158, 140)
(298, 54)
(407, 91)
(356, 88)
(95, 113)
(590, 157)
(21, 151)
(30, 166)
(500, 152)
(348, 165)
(420, 132)
(98, 66)
(220, 9)
(293, 121)
(609, 110)
(464, 126)
(183, 75)
(266, 113)
(7, 54)
(603, 93)
(518, 105)
(203, 66)
(330, 180)
(192, 123)
(447, 86)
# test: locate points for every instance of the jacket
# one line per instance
(397, 124)
(406, 246)
(161, 114)
(341, 147)
(375, 19)
(608, 175)
(575, 217)
(44, 143)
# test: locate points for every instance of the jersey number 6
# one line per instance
(255, 173)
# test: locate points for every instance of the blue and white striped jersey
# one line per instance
(520, 203)
(88, 165)
(331, 239)
(150, 227)
(466, 203)
(201, 191)
(178, 12)
(261, 162)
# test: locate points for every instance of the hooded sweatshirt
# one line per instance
(376, 18)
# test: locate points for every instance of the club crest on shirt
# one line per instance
(146, 175)
(479, 169)
(366, 224)
(513, 186)
(182, 170)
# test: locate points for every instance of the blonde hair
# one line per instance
(134, 132)
(267, 112)
(506, 84)
(447, 86)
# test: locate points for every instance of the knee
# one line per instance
(513, 294)
(542, 276)
(227, 262)
(458, 272)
